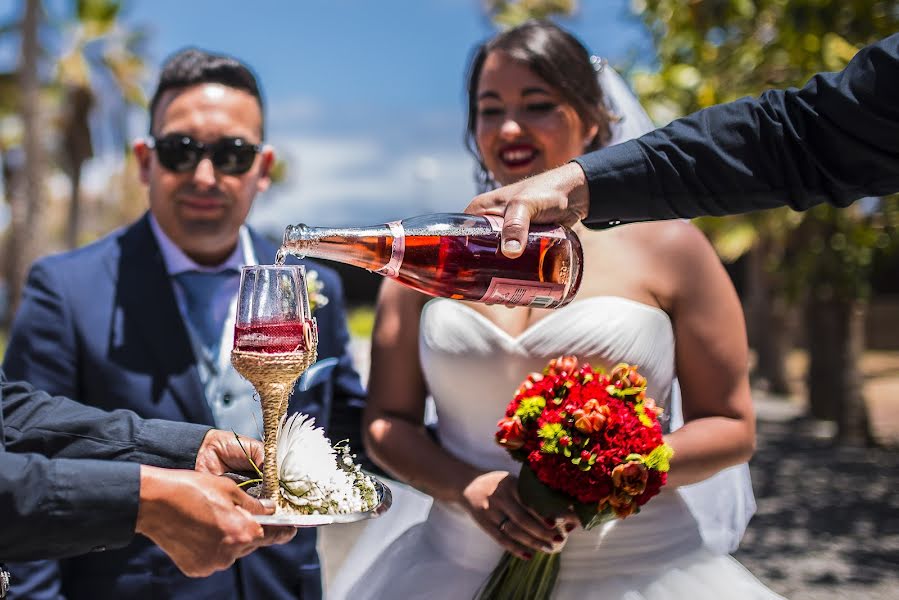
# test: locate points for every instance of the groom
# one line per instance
(143, 319)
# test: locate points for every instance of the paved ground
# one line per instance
(827, 525)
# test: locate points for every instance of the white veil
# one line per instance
(724, 503)
(631, 120)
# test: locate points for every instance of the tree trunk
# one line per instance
(836, 341)
(74, 225)
(768, 319)
(12, 184)
(25, 235)
(78, 149)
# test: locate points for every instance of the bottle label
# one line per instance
(397, 250)
(496, 223)
(521, 292)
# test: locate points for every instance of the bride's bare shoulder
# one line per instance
(672, 239)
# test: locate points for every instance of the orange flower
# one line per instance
(567, 364)
(623, 504)
(591, 418)
(630, 477)
(511, 433)
(627, 375)
(650, 405)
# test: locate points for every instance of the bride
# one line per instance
(654, 295)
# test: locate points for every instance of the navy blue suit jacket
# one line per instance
(101, 325)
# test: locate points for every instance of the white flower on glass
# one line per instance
(314, 476)
(314, 287)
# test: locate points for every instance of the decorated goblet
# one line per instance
(275, 341)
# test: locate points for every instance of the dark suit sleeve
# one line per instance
(86, 495)
(835, 140)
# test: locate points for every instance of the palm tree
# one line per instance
(28, 199)
(101, 56)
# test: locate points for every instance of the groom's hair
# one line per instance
(559, 59)
(192, 66)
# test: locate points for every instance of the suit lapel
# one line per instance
(264, 250)
(153, 324)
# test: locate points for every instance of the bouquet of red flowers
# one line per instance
(588, 440)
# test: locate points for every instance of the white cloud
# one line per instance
(288, 113)
(354, 181)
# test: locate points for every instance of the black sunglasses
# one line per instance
(182, 153)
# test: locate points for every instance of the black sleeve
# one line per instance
(835, 140)
(86, 496)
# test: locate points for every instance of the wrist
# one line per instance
(466, 478)
(577, 190)
(151, 492)
(206, 443)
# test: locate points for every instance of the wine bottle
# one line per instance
(453, 256)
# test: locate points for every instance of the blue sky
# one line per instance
(365, 97)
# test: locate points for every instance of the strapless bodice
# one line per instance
(472, 367)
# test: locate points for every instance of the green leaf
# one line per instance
(590, 516)
(247, 454)
(544, 500)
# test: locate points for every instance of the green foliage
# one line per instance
(361, 321)
(550, 435)
(509, 13)
(714, 51)
(837, 249)
(531, 408)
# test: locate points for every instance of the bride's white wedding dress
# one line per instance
(667, 551)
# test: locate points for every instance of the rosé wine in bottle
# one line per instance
(454, 256)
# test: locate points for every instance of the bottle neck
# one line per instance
(358, 246)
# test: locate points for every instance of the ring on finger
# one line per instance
(502, 523)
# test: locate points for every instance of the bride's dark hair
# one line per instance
(559, 59)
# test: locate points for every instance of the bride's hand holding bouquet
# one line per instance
(493, 501)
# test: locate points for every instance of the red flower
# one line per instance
(511, 433)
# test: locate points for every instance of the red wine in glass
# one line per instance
(270, 338)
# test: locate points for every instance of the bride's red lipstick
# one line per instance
(517, 155)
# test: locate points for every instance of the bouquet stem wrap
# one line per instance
(517, 579)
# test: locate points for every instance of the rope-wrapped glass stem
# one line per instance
(273, 376)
